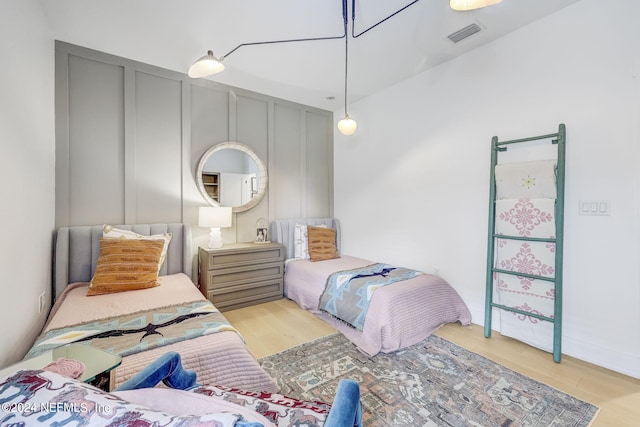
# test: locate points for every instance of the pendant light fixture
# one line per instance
(206, 66)
(346, 125)
(462, 5)
(209, 64)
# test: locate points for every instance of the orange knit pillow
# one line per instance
(125, 265)
(322, 243)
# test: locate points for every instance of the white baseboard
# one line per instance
(608, 358)
(626, 364)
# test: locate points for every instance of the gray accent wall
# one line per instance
(129, 137)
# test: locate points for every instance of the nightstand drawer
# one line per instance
(232, 276)
(244, 295)
(258, 255)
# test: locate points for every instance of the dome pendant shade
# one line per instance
(206, 66)
(347, 125)
(462, 5)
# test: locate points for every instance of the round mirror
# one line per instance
(231, 174)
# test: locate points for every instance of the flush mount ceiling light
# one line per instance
(462, 5)
(209, 65)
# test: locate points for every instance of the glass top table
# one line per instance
(96, 361)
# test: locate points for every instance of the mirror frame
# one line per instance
(262, 174)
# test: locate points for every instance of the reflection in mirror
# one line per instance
(231, 174)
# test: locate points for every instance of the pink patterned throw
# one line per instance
(70, 368)
(530, 218)
(526, 217)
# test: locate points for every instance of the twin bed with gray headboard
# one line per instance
(399, 315)
(77, 250)
(217, 353)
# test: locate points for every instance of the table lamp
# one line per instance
(215, 218)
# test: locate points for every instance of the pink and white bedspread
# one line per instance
(220, 358)
(399, 315)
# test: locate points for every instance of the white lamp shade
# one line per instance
(205, 66)
(471, 4)
(347, 125)
(214, 217)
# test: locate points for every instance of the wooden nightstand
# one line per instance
(241, 274)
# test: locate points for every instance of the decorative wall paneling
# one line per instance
(129, 137)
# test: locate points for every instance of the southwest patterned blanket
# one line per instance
(348, 293)
(145, 330)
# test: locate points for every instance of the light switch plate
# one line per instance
(594, 207)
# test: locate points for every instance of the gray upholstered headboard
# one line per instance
(77, 249)
(282, 231)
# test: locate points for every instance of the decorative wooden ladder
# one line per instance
(559, 139)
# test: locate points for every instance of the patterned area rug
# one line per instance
(432, 383)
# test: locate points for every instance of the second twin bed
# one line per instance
(398, 316)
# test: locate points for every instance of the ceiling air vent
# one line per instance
(463, 33)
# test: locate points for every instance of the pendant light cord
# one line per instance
(346, 68)
(353, 18)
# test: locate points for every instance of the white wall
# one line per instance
(26, 173)
(412, 185)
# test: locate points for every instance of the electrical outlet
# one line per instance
(41, 303)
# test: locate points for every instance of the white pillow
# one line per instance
(301, 241)
(110, 232)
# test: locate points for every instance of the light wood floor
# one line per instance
(276, 326)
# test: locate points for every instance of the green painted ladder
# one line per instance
(559, 139)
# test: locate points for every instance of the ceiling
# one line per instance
(173, 33)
